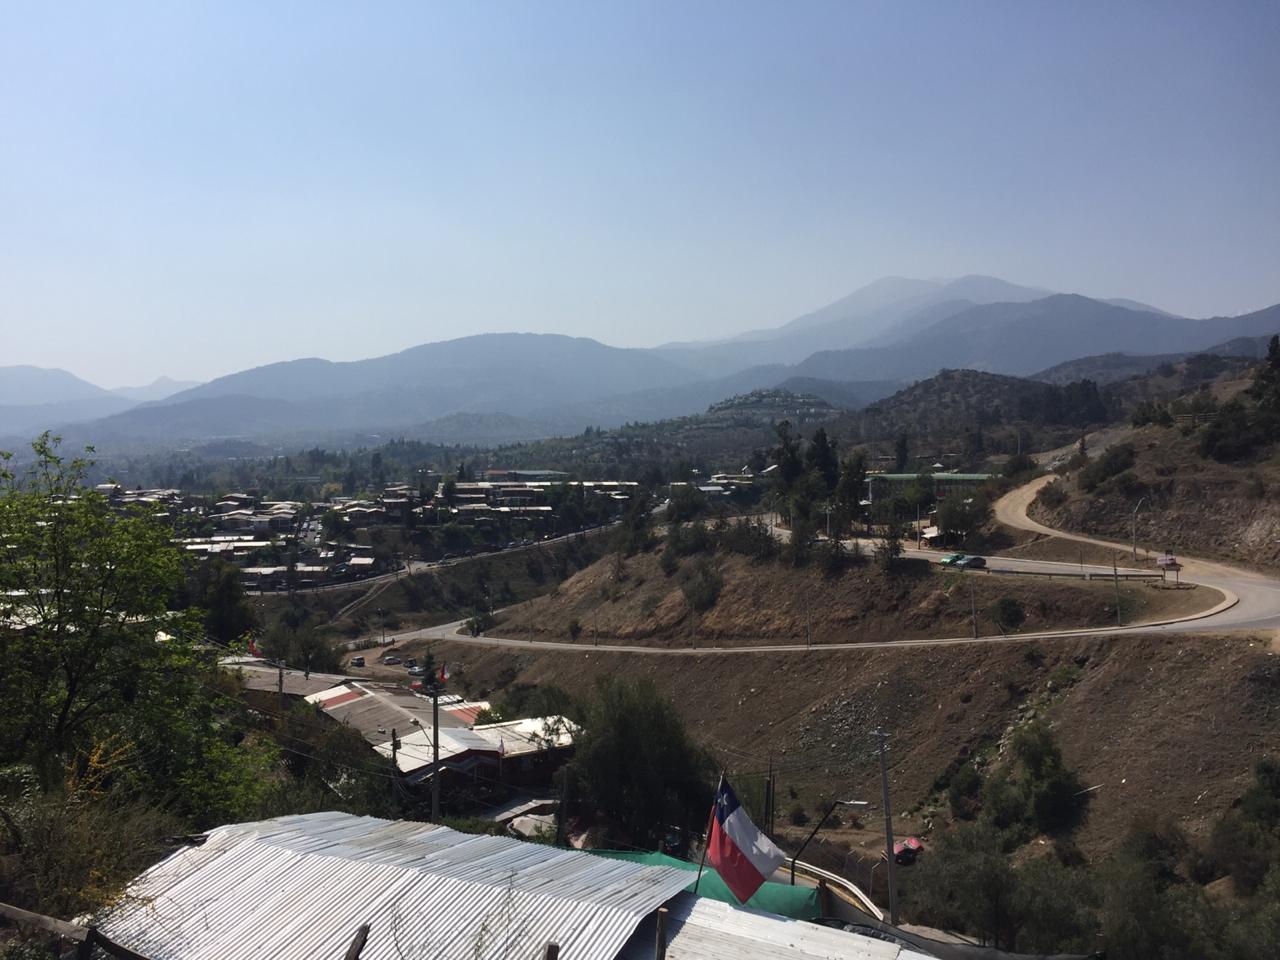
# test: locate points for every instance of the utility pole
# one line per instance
(973, 607)
(882, 736)
(563, 809)
(1115, 574)
(768, 798)
(435, 752)
(280, 682)
(1135, 526)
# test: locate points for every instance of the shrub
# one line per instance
(833, 558)
(479, 622)
(575, 629)
(1115, 460)
(1234, 435)
(1065, 675)
(1128, 484)
(797, 816)
(750, 538)
(488, 715)
(669, 561)
(1008, 613)
(964, 793)
(1019, 464)
(702, 586)
(1052, 495)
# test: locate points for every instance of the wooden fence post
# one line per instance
(353, 951)
(660, 941)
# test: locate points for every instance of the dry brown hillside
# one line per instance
(1167, 724)
(771, 602)
(1189, 504)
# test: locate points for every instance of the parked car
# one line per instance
(974, 562)
(411, 662)
(357, 661)
(391, 661)
(951, 559)
(417, 671)
(907, 851)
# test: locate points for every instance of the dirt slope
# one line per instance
(1173, 724)
(1189, 504)
(773, 603)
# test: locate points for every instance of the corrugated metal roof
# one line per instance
(702, 929)
(513, 739)
(299, 887)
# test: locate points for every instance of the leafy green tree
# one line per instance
(1246, 842)
(687, 503)
(84, 592)
(851, 489)
(787, 455)
(1018, 465)
(822, 459)
(228, 616)
(960, 517)
(635, 763)
(1235, 434)
(901, 452)
(1266, 385)
(889, 549)
(967, 883)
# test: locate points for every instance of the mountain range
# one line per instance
(33, 399)
(515, 386)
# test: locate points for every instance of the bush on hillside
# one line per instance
(750, 538)
(1115, 460)
(1236, 434)
(1246, 842)
(701, 586)
(669, 560)
(1052, 495)
(1018, 465)
(1008, 613)
(964, 793)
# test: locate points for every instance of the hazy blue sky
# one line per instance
(192, 189)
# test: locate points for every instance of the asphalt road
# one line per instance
(1251, 602)
(1257, 595)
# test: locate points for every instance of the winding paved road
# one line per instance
(1251, 602)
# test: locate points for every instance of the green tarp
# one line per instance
(780, 898)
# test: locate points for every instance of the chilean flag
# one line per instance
(742, 855)
(443, 675)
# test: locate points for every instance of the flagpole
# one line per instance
(707, 839)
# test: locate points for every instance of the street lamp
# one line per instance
(1135, 527)
(818, 826)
